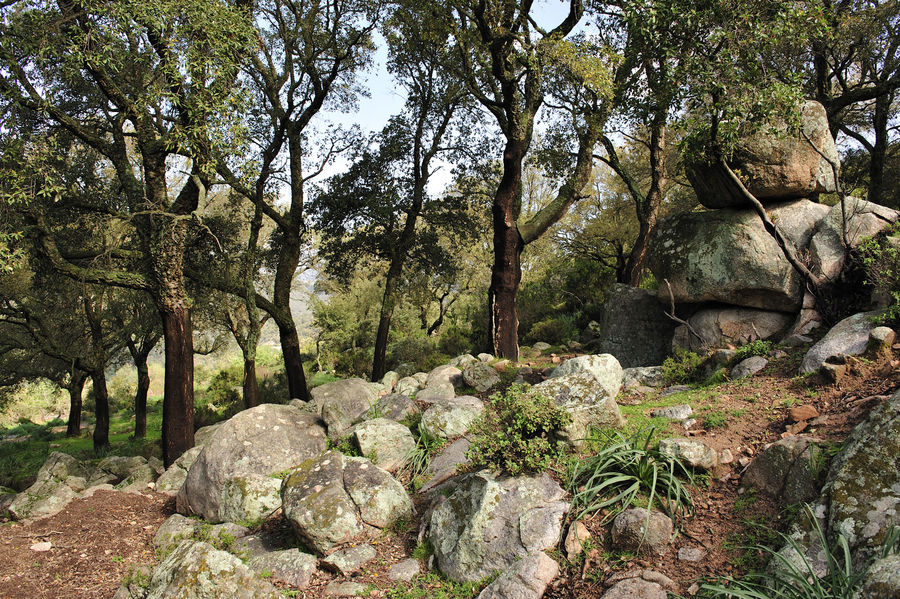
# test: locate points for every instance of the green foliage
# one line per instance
(682, 368)
(554, 330)
(625, 471)
(434, 586)
(35, 401)
(794, 579)
(419, 458)
(715, 419)
(754, 348)
(517, 432)
(880, 259)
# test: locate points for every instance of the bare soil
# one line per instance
(95, 540)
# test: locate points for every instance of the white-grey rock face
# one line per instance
(585, 399)
(264, 440)
(722, 256)
(451, 418)
(341, 404)
(329, 499)
(387, 441)
(604, 367)
(864, 219)
(487, 524)
(849, 337)
(197, 570)
(528, 578)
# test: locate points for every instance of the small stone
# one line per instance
(793, 429)
(690, 554)
(833, 373)
(801, 413)
(687, 424)
(637, 528)
(748, 367)
(345, 589)
(725, 456)
(673, 390)
(405, 570)
(577, 535)
(348, 561)
(681, 412)
(691, 452)
(42, 546)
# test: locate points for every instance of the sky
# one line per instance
(386, 98)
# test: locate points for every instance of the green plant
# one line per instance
(880, 260)
(745, 500)
(715, 419)
(433, 586)
(422, 551)
(682, 368)
(624, 469)
(419, 458)
(517, 433)
(754, 348)
(790, 575)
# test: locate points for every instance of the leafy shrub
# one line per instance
(553, 330)
(880, 258)
(790, 579)
(516, 433)
(624, 469)
(684, 367)
(455, 341)
(754, 348)
(355, 362)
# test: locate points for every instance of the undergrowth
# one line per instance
(517, 433)
(627, 471)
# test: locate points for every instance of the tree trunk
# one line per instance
(648, 206)
(506, 271)
(178, 398)
(101, 411)
(251, 386)
(140, 398)
(293, 364)
(381, 336)
(75, 389)
(879, 149)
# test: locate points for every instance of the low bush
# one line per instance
(624, 470)
(553, 330)
(754, 348)
(880, 258)
(517, 433)
(682, 368)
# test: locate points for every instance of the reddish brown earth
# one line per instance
(95, 540)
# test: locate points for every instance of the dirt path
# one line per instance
(93, 543)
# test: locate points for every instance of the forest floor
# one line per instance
(94, 541)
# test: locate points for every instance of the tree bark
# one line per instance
(506, 271)
(648, 206)
(178, 397)
(384, 320)
(101, 411)
(288, 260)
(75, 389)
(251, 386)
(140, 398)
(879, 148)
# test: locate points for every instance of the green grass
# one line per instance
(434, 586)
(320, 378)
(20, 461)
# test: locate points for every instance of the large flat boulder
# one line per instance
(723, 256)
(849, 337)
(774, 165)
(263, 441)
(487, 524)
(58, 482)
(721, 326)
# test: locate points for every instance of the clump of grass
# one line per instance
(624, 470)
(790, 575)
(419, 458)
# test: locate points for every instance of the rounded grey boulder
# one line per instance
(263, 441)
